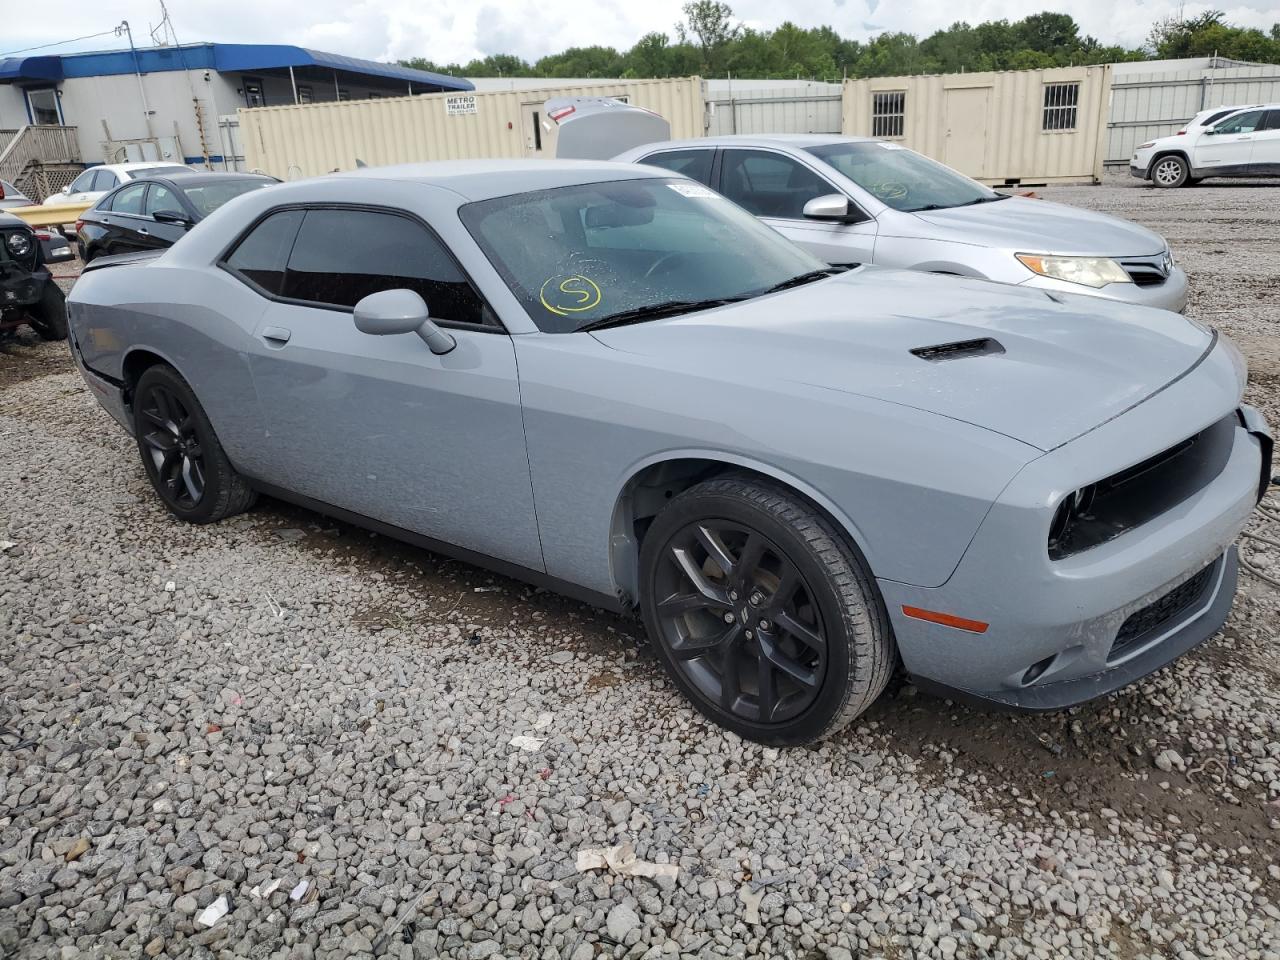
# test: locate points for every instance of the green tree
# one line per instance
(710, 22)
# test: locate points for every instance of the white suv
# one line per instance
(1244, 143)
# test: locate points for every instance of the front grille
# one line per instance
(1146, 278)
(1108, 508)
(1146, 271)
(1154, 617)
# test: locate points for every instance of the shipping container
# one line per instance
(312, 139)
(1011, 127)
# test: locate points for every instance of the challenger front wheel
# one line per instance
(763, 614)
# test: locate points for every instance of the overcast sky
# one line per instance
(445, 32)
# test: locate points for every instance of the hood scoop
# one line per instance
(958, 350)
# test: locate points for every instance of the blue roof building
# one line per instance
(180, 102)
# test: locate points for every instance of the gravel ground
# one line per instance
(188, 713)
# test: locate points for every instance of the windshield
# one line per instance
(575, 256)
(208, 197)
(902, 178)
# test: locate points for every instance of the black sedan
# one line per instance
(152, 213)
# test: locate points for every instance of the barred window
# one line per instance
(1061, 101)
(888, 113)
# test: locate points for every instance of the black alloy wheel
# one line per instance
(740, 620)
(180, 451)
(171, 442)
(762, 611)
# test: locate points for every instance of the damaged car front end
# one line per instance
(28, 293)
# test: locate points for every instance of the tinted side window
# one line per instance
(129, 200)
(1272, 121)
(691, 163)
(342, 256)
(162, 198)
(261, 256)
(770, 184)
(1241, 123)
(104, 180)
(1210, 120)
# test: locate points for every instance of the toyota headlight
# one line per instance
(19, 244)
(1090, 271)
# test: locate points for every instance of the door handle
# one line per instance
(1244, 138)
(276, 336)
(144, 231)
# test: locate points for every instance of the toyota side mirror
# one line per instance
(171, 216)
(401, 311)
(832, 206)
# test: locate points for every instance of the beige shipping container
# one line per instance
(312, 139)
(1018, 126)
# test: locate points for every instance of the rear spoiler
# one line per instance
(121, 259)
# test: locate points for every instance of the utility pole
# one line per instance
(137, 68)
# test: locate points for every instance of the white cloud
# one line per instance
(392, 29)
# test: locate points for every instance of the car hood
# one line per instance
(1069, 363)
(1024, 225)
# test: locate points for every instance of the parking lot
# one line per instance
(187, 712)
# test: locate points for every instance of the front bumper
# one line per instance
(1053, 625)
(20, 287)
(1170, 295)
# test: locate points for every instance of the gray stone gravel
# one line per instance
(331, 708)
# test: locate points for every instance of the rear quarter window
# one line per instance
(262, 256)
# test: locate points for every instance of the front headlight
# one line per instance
(18, 243)
(1146, 146)
(1090, 271)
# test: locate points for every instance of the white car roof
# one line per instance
(143, 165)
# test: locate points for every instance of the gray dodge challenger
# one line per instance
(613, 381)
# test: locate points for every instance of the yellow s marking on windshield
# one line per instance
(566, 295)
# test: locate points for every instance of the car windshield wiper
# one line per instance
(953, 206)
(809, 277)
(656, 311)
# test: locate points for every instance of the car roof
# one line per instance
(484, 179)
(196, 178)
(140, 165)
(799, 141)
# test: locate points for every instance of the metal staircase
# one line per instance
(39, 159)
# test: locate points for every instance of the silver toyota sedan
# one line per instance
(858, 200)
(614, 381)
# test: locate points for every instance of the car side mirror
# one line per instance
(171, 216)
(66, 189)
(832, 206)
(391, 312)
(1210, 131)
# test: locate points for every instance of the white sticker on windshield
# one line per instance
(890, 146)
(696, 190)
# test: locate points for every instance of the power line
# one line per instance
(58, 43)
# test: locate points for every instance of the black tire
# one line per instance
(1170, 171)
(832, 599)
(49, 316)
(180, 451)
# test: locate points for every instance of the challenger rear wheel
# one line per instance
(180, 452)
(763, 613)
